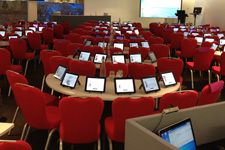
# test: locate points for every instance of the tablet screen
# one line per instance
(118, 45)
(133, 44)
(199, 39)
(87, 43)
(220, 35)
(168, 79)
(129, 32)
(40, 29)
(186, 34)
(12, 37)
(84, 56)
(32, 28)
(60, 72)
(124, 85)
(70, 80)
(2, 33)
(102, 44)
(95, 84)
(117, 31)
(209, 40)
(135, 58)
(152, 57)
(99, 58)
(136, 31)
(19, 28)
(145, 44)
(222, 42)
(19, 33)
(119, 58)
(28, 31)
(150, 84)
(207, 34)
(214, 46)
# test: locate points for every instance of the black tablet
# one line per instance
(28, 31)
(99, 58)
(13, 37)
(214, 46)
(145, 44)
(209, 39)
(118, 45)
(150, 84)
(2, 33)
(19, 33)
(118, 58)
(168, 79)
(135, 58)
(124, 85)
(133, 44)
(222, 42)
(32, 28)
(70, 80)
(40, 29)
(152, 57)
(95, 84)
(87, 43)
(60, 72)
(180, 135)
(84, 56)
(102, 44)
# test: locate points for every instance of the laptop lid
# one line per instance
(135, 58)
(168, 79)
(84, 56)
(60, 72)
(118, 45)
(152, 57)
(95, 84)
(118, 58)
(124, 85)
(150, 84)
(70, 80)
(133, 44)
(145, 44)
(180, 135)
(99, 58)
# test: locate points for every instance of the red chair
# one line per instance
(83, 68)
(188, 48)
(14, 145)
(174, 65)
(155, 40)
(115, 68)
(160, 50)
(13, 78)
(139, 71)
(210, 93)
(125, 108)
(48, 36)
(72, 48)
(220, 70)
(45, 56)
(202, 61)
(115, 51)
(19, 49)
(74, 38)
(5, 62)
(37, 114)
(34, 40)
(143, 51)
(58, 31)
(55, 61)
(60, 45)
(146, 34)
(183, 99)
(176, 41)
(80, 119)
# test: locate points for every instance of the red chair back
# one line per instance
(222, 63)
(155, 40)
(5, 60)
(58, 31)
(60, 45)
(80, 119)
(176, 40)
(17, 145)
(174, 65)
(116, 67)
(45, 56)
(125, 108)
(139, 71)
(48, 35)
(84, 68)
(183, 99)
(34, 40)
(188, 47)
(18, 47)
(55, 61)
(160, 50)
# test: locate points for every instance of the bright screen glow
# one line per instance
(159, 8)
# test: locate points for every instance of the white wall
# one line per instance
(128, 10)
(32, 10)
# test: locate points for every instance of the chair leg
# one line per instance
(110, 144)
(200, 73)
(52, 92)
(43, 83)
(23, 132)
(60, 144)
(218, 77)
(28, 130)
(27, 62)
(9, 92)
(192, 80)
(99, 145)
(209, 74)
(49, 138)
(14, 117)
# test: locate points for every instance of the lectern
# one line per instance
(181, 16)
(196, 11)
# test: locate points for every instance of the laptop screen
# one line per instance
(135, 58)
(180, 135)
(95, 84)
(124, 85)
(84, 56)
(119, 58)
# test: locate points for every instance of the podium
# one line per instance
(181, 16)
(197, 11)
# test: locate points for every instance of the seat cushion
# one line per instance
(43, 46)
(16, 68)
(109, 128)
(178, 53)
(216, 69)
(53, 116)
(29, 56)
(50, 99)
(190, 65)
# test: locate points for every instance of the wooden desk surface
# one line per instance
(109, 94)
(5, 127)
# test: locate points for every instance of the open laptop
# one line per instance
(180, 135)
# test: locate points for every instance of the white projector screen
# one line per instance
(159, 8)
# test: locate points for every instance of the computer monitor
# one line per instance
(180, 135)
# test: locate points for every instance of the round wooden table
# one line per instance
(109, 94)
